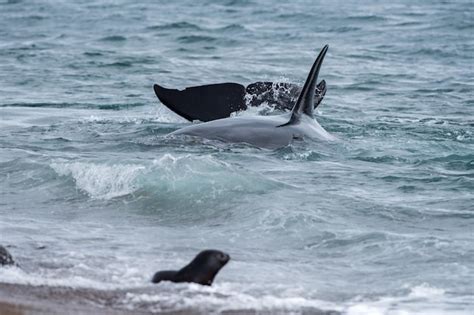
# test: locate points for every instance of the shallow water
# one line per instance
(93, 195)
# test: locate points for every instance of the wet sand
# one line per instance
(16, 299)
(19, 299)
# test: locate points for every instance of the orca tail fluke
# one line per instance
(305, 103)
(321, 89)
(206, 102)
(216, 101)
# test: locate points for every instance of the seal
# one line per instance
(269, 132)
(202, 269)
(5, 258)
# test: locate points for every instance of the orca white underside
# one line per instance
(261, 131)
(269, 132)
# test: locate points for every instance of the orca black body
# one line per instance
(216, 101)
(269, 132)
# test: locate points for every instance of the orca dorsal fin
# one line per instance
(305, 102)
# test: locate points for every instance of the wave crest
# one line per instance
(101, 181)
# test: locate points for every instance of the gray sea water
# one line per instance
(93, 195)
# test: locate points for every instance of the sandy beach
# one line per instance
(17, 299)
(24, 299)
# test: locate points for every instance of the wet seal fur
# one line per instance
(202, 269)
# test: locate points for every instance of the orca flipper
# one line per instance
(216, 101)
(205, 102)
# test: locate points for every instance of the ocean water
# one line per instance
(93, 195)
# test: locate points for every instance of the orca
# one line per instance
(216, 101)
(270, 132)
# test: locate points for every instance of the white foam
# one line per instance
(101, 181)
(16, 275)
(165, 115)
(422, 299)
(263, 109)
(168, 160)
(426, 291)
(219, 298)
(364, 309)
(168, 296)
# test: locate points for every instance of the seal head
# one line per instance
(202, 269)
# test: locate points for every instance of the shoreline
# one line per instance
(16, 299)
(21, 299)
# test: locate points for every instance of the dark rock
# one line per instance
(5, 258)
